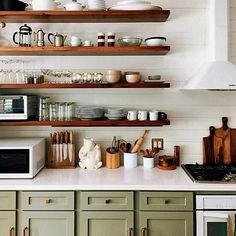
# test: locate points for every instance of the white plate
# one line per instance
(134, 7)
(127, 2)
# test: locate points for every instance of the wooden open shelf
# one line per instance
(86, 123)
(84, 86)
(83, 51)
(83, 16)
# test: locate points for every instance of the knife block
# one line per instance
(61, 157)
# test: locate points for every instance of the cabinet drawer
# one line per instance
(165, 201)
(47, 200)
(106, 201)
(7, 200)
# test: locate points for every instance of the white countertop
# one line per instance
(116, 179)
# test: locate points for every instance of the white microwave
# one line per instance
(21, 157)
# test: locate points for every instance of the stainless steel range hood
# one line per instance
(218, 73)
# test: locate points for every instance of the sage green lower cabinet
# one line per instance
(7, 223)
(166, 223)
(46, 223)
(106, 223)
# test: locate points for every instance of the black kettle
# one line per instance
(12, 5)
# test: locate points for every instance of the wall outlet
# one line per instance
(158, 143)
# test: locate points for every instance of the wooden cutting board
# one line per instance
(220, 146)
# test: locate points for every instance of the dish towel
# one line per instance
(231, 225)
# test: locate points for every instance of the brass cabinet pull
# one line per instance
(143, 231)
(12, 231)
(131, 232)
(167, 201)
(107, 201)
(48, 201)
(24, 231)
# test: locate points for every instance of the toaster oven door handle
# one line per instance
(216, 215)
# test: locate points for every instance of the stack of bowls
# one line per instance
(115, 114)
(90, 113)
(132, 77)
(96, 5)
(113, 76)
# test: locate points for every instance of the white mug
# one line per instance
(153, 115)
(132, 115)
(142, 115)
(75, 41)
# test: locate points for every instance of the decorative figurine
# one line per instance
(90, 155)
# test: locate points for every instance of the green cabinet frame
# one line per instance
(7, 223)
(166, 223)
(103, 223)
(46, 223)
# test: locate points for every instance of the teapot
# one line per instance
(44, 5)
(73, 6)
(58, 41)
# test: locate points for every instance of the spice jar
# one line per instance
(101, 36)
(111, 35)
(101, 42)
(111, 42)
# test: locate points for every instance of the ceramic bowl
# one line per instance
(113, 72)
(130, 41)
(133, 78)
(155, 41)
(112, 79)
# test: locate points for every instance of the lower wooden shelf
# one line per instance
(84, 86)
(86, 123)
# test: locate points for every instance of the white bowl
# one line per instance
(155, 41)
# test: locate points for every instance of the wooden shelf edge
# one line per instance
(85, 86)
(84, 16)
(84, 51)
(86, 123)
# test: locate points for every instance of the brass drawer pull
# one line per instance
(24, 231)
(131, 232)
(143, 231)
(48, 201)
(12, 229)
(167, 201)
(107, 201)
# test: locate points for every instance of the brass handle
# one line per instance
(143, 231)
(12, 231)
(48, 201)
(131, 232)
(24, 231)
(167, 201)
(107, 201)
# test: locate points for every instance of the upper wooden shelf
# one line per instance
(84, 86)
(83, 16)
(83, 51)
(86, 123)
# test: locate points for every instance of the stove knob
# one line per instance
(227, 178)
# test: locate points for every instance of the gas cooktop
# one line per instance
(211, 173)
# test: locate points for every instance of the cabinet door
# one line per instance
(166, 223)
(42, 223)
(7, 223)
(94, 223)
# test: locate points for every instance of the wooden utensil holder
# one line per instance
(56, 159)
(112, 160)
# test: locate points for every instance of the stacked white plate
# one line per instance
(96, 5)
(136, 5)
(115, 114)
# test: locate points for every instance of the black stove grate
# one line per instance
(208, 173)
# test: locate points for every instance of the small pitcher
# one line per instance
(58, 40)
